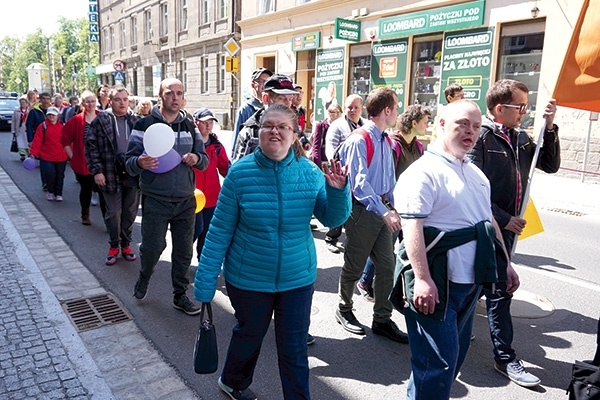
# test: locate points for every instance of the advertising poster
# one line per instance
(467, 60)
(389, 60)
(330, 79)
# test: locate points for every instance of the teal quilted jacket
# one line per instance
(260, 234)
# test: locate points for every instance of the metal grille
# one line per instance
(93, 312)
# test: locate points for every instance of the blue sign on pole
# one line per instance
(119, 76)
(94, 37)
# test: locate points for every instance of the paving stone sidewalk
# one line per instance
(41, 353)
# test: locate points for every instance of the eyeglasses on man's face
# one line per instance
(280, 128)
(523, 108)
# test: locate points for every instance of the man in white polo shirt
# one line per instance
(444, 202)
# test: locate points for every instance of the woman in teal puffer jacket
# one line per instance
(261, 235)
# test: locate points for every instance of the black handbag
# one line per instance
(585, 382)
(14, 148)
(206, 357)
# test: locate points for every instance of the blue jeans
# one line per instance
(500, 320)
(253, 311)
(53, 175)
(439, 347)
(203, 219)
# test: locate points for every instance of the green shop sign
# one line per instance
(388, 67)
(467, 60)
(309, 41)
(331, 69)
(346, 29)
(460, 16)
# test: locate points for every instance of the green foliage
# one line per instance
(70, 53)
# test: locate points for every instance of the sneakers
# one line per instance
(94, 201)
(50, 197)
(332, 248)
(310, 339)
(111, 258)
(140, 289)
(59, 197)
(184, 304)
(128, 254)
(390, 330)
(245, 394)
(366, 291)
(349, 322)
(515, 371)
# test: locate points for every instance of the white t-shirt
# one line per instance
(449, 194)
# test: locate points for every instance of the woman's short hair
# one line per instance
(415, 112)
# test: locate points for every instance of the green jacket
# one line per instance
(490, 264)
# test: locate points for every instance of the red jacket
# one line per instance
(208, 180)
(72, 135)
(46, 145)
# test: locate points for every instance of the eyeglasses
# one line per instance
(280, 128)
(523, 108)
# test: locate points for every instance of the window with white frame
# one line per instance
(147, 26)
(205, 12)
(164, 19)
(204, 74)
(106, 41)
(266, 6)
(122, 35)
(111, 34)
(183, 73)
(133, 33)
(183, 19)
(222, 72)
(223, 8)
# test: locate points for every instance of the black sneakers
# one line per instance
(184, 304)
(245, 394)
(141, 288)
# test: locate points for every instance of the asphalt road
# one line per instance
(558, 266)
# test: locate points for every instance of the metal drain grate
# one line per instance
(568, 212)
(93, 312)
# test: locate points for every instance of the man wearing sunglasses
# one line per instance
(505, 153)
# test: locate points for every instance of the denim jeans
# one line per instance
(500, 320)
(203, 219)
(439, 347)
(53, 174)
(121, 210)
(253, 311)
(157, 217)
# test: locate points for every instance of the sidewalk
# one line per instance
(41, 353)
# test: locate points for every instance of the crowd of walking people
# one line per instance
(427, 232)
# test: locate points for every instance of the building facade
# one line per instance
(181, 39)
(335, 48)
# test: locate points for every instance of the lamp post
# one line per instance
(50, 72)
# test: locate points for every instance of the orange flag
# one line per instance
(578, 84)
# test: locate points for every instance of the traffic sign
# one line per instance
(232, 47)
(118, 66)
(232, 64)
(119, 76)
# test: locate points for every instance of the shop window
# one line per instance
(521, 60)
(427, 71)
(359, 81)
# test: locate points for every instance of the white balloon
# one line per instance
(158, 139)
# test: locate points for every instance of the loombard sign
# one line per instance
(460, 16)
